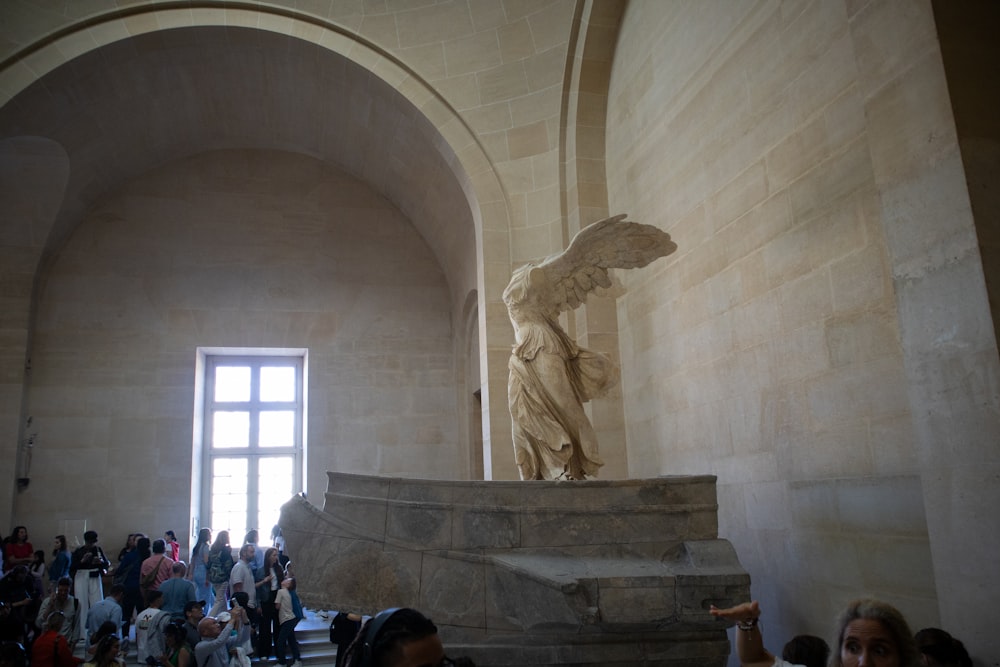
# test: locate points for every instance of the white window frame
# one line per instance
(207, 360)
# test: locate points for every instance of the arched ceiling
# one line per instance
(139, 103)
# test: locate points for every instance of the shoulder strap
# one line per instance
(150, 577)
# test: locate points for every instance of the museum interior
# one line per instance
(248, 246)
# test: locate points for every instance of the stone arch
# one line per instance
(584, 178)
(470, 166)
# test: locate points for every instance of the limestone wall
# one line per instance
(803, 157)
(821, 341)
(233, 249)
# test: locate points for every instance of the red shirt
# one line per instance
(52, 650)
(14, 550)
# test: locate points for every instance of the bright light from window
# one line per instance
(232, 383)
(275, 484)
(277, 383)
(277, 428)
(253, 444)
(231, 429)
(229, 494)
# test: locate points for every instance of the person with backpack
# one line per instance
(50, 648)
(151, 646)
(343, 629)
(155, 570)
(220, 564)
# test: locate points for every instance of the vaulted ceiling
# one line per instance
(133, 105)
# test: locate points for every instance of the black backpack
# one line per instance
(343, 630)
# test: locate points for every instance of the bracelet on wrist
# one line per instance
(747, 626)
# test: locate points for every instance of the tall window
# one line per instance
(253, 421)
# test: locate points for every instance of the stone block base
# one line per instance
(528, 573)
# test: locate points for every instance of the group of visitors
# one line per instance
(253, 596)
(253, 609)
(869, 633)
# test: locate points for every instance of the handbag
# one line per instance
(150, 577)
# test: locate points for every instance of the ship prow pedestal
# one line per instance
(618, 572)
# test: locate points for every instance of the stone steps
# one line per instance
(313, 634)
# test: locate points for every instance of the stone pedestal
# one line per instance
(528, 573)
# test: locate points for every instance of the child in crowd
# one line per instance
(289, 614)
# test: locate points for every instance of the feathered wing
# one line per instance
(612, 243)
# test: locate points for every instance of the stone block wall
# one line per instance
(821, 336)
(234, 249)
(806, 341)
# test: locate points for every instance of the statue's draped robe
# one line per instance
(550, 378)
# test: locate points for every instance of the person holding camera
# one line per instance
(69, 607)
(222, 637)
(86, 567)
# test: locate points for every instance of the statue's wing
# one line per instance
(613, 243)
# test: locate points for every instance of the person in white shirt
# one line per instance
(151, 645)
(289, 610)
(241, 580)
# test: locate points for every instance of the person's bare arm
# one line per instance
(749, 641)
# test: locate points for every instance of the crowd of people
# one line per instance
(48, 606)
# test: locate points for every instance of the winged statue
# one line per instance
(551, 377)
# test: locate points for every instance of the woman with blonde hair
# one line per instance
(106, 653)
(871, 633)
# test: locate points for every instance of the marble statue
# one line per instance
(551, 377)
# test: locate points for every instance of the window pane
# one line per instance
(253, 447)
(229, 494)
(232, 383)
(274, 490)
(277, 428)
(230, 429)
(277, 383)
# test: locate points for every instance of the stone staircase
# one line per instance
(313, 634)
